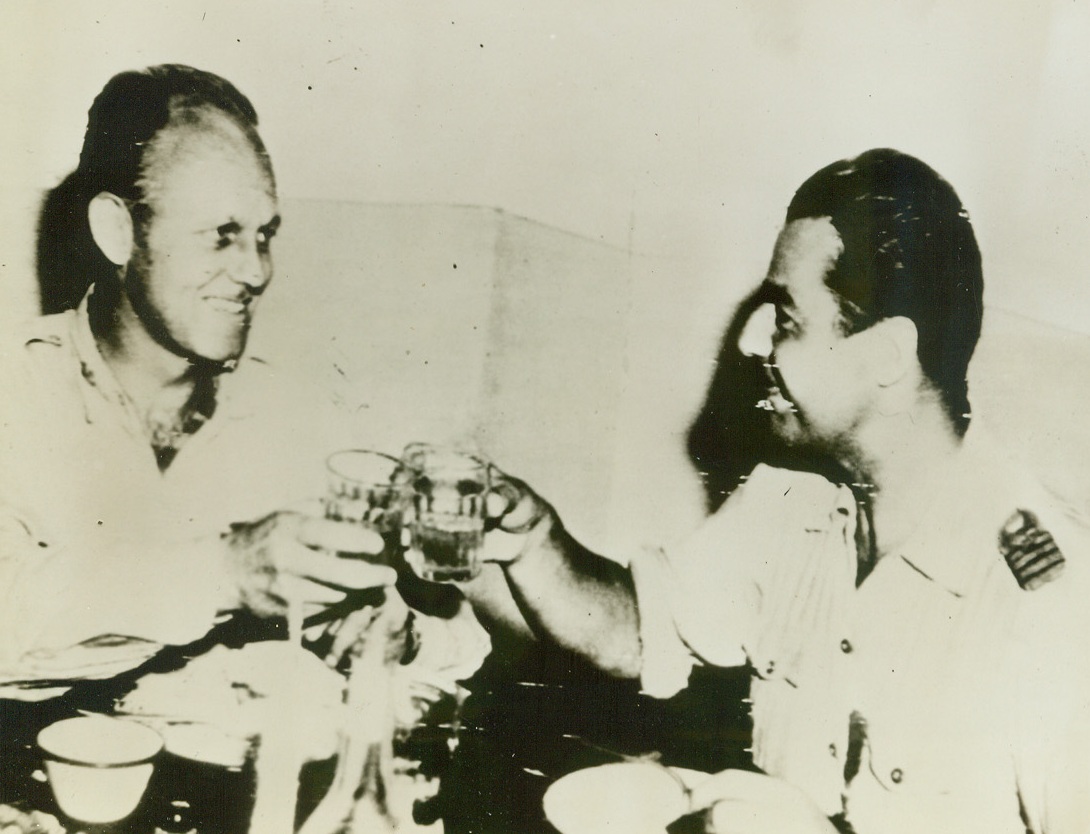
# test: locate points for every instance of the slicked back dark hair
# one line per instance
(134, 106)
(909, 250)
(122, 124)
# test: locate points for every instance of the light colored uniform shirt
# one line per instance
(111, 545)
(936, 696)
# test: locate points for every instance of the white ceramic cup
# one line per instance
(98, 766)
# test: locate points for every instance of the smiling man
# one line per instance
(160, 482)
(912, 618)
(148, 459)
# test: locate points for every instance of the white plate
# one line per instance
(205, 743)
(622, 798)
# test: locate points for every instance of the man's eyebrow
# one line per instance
(231, 227)
(770, 293)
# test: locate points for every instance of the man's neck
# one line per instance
(159, 383)
(903, 461)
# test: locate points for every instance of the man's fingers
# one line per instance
(307, 593)
(732, 817)
(502, 548)
(503, 497)
(736, 785)
(513, 506)
(348, 632)
(743, 802)
(329, 569)
(334, 536)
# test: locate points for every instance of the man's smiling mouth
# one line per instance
(231, 306)
(775, 401)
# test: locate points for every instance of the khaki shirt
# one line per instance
(111, 545)
(937, 696)
(120, 547)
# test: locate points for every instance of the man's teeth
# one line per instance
(227, 305)
(776, 401)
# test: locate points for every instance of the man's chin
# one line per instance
(788, 431)
(225, 356)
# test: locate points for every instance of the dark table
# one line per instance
(529, 722)
(531, 718)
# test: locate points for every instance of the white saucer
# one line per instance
(623, 798)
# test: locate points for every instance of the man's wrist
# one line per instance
(248, 573)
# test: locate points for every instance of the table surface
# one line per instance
(514, 736)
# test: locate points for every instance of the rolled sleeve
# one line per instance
(665, 659)
(700, 602)
(170, 595)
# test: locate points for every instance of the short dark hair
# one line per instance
(909, 250)
(135, 106)
(122, 125)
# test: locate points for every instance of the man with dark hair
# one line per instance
(122, 122)
(130, 423)
(152, 467)
(908, 250)
(912, 619)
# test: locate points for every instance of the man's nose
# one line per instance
(253, 268)
(756, 338)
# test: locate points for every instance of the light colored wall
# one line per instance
(669, 135)
(677, 129)
(462, 324)
(575, 364)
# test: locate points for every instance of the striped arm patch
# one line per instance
(1030, 551)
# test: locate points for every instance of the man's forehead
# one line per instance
(203, 175)
(211, 141)
(805, 250)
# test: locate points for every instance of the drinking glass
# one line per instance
(365, 488)
(446, 523)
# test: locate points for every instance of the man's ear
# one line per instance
(111, 227)
(894, 355)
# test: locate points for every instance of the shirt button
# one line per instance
(896, 775)
(845, 646)
(771, 667)
(832, 750)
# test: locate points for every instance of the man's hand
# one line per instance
(516, 510)
(290, 555)
(390, 623)
(741, 802)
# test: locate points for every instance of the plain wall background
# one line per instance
(671, 134)
(677, 128)
(571, 362)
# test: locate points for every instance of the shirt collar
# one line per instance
(955, 543)
(101, 382)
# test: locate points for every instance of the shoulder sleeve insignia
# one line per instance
(1030, 551)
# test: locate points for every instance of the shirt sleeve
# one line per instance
(665, 659)
(1052, 713)
(59, 599)
(700, 602)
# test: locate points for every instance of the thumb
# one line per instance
(727, 785)
(512, 505)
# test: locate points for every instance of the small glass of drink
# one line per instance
(365, 488)
(449, 489)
